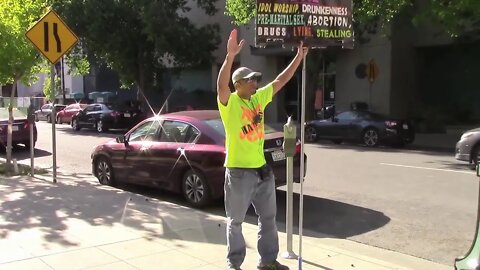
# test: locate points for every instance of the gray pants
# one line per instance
(242, 188)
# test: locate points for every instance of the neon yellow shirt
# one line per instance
(244, 131)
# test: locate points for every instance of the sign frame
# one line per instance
(58, 37)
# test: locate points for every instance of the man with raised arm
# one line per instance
(248, 178)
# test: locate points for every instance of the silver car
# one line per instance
(468, 147)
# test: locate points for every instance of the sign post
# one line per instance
(31, 123)
(372, 74)
(289, 143)
(53, 38)
(318, 24)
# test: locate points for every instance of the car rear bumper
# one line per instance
(119, 123)
(280, 170)
(399, 135)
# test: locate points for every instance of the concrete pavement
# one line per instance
(79, 224)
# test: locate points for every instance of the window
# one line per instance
(345, 116)
(89, 108)
(174, 131)
(146, 132)
(46, 107)
(191, 135)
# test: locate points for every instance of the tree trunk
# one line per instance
(9, 168)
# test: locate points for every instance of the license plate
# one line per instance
(15, 128)
(405, 126)
(126, 114)
(278, 155)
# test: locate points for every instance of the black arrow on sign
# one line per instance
(45, 36)
(55, 35)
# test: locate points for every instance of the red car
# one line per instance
(65, 115)
(20, 129)
(182, 152)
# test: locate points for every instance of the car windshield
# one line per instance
(217, 125)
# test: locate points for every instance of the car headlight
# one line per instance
(466, 135)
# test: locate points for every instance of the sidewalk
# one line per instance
(79, 224)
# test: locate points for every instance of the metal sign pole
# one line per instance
(31, 123)
(32, 150)
(302, 162)
(289, 143)
(53, 119)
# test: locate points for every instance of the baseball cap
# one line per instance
(244, 73)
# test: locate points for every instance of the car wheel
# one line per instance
(101, 126)
(104, 171)
(311, 134)
(370, 137)
(49, 120)
(337, 141)
(75, 125)
(195, 188)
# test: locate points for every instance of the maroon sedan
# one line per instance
(65, 115)
(20, 129)
(182, 152)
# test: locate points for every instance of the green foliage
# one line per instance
(47, 87)
(140, 39)
(242, 11)
(459, 17)
(77, 61)
(18, 57)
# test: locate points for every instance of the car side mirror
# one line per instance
(122, 139)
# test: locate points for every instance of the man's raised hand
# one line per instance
(233, 47)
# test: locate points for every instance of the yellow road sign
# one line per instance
(372, 71)
(51, 36)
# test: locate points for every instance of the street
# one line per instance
(414, 202)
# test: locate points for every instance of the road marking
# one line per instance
(426, 168)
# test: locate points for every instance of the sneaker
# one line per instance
(273, 266)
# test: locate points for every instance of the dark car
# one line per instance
(183, 152)
(45, 112)
(366, 127)
(468, 147)
(103, 117)
(65, 115)
(20, 129)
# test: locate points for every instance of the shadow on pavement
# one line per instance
(321, 216)
(330, 217)
(454, 165)
(381, 148)
(22, 153)
(55, 209)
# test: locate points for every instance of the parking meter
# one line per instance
(289, 138)
(31, 114)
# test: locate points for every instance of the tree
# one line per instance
(141, 39)
(18, 57)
